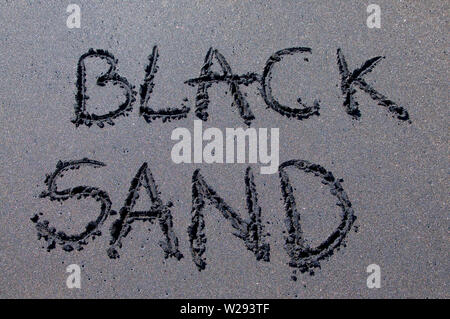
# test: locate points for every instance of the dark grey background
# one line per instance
(396, 174)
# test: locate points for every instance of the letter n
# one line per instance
(251, 230)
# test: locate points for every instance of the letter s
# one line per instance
(49, 233)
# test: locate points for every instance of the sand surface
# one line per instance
(395, 173)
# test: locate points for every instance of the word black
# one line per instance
(349, 80)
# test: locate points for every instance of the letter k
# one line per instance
(356, 77)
